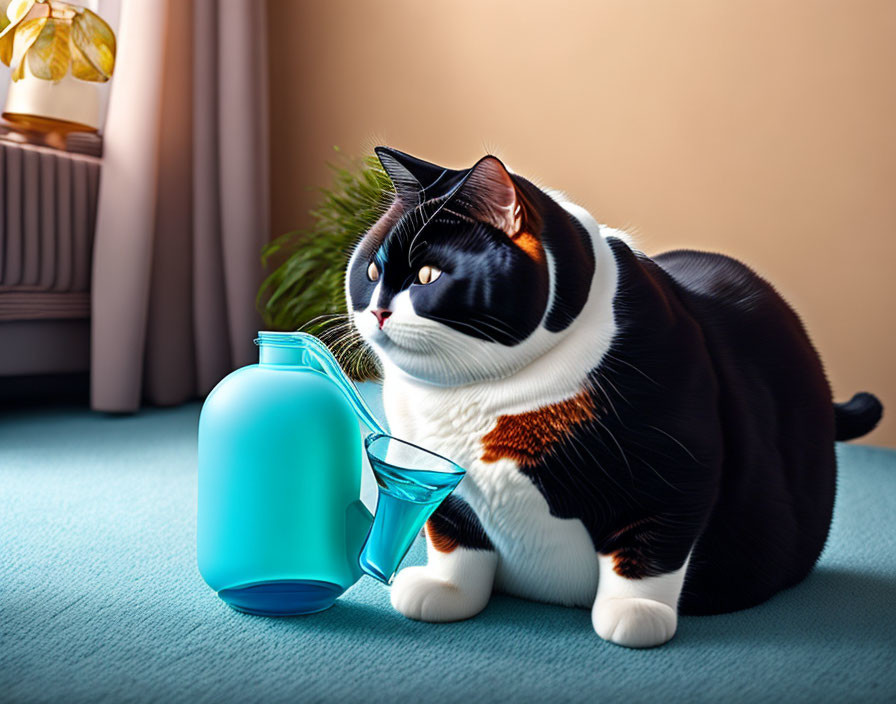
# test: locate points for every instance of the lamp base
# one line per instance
(68, 100)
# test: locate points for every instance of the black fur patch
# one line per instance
(456, 519)
(717, 435)
(573, 255)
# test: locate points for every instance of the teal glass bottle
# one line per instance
(281, 529)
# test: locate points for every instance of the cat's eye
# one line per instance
(372, 272)
(428, 274)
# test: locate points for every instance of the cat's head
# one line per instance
(470, 274)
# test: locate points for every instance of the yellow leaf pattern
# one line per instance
(49, 56)
(15, 12)
(83, 69)
(6, 42)
(17, 9)
(96, 41)
(26, 34)
(70, 35)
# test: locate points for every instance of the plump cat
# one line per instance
(642, 436)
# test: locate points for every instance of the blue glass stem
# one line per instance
(325, 359)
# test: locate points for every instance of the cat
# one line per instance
(642, 436)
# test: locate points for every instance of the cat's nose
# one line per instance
(381, 315)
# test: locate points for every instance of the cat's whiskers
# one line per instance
(613, 358)
(338, 332)
(593, 386)
(496, 366)
(677, 442)
(501, 325)
(564, 447)
(472, 327)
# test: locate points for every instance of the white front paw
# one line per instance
(419, 595)
(634, 622)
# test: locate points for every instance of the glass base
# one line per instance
(291, 597)
(368, 566)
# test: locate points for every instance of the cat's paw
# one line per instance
(419, 595)
(634, 622)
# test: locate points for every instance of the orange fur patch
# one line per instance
(526, 437)
(529, 243)
(440, 542)
(627, 563)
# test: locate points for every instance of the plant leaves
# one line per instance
(26, 34)
(6, 45)
(82, 68)
(17, 9)
(15, 12)
(96, 42)
(49, 56)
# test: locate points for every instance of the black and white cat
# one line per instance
(641, 436)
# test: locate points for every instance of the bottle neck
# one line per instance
(271, 355)
(283, 349)
(299, 350)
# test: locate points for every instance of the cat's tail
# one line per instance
(857, 416)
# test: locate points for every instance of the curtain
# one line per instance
(183, 202)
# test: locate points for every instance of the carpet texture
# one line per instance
(100, 600)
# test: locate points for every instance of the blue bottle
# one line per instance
(281, 529)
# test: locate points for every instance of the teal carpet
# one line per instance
(100, 600)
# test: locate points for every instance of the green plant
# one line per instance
(306, 289)
(53, 35)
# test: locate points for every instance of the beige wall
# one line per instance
(763, 129)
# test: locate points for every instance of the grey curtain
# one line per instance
(183, 202)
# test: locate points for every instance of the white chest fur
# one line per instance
(539, 556)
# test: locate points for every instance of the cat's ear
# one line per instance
(410, 176)
(488, 195)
